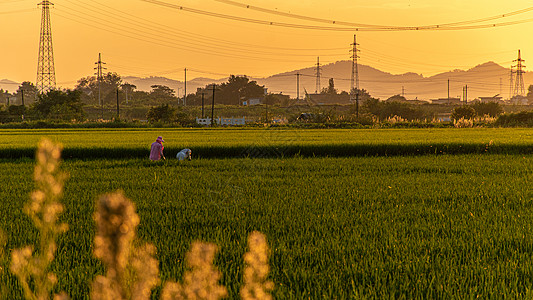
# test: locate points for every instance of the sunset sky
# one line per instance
(146, 38)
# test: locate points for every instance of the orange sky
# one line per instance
(140, 38)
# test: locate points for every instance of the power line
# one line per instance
(203, 38)
(169, 33)
(336, 28)
(351, 24)
(164, 40)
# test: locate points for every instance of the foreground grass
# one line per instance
(402, 227)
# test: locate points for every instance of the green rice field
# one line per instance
(226, 142)
(348, 214)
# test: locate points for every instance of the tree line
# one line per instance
(162, 104)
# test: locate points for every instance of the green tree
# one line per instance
(397, 98)
(238, 88)
(271, 99)
(161, 113)
(89, 86)
(59, 105)
(331, 90)
(363, 95)
(384, 110)
(127, 89)
(4, 116)
(28, 91)
(530, 94)
(492, 109)
(17, 111)
(162, 93)
(5, 96)
(463, 112)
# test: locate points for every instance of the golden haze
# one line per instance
(140, 38)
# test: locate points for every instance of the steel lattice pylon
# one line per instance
(46, 74)
(519, 89)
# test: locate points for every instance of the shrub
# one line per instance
(463, 112)
(384, 110)
(492, 109)
(463, 123)
(60, 105)
(162, 113)
(523, 118)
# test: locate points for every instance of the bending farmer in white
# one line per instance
(184, 154)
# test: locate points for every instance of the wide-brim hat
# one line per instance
(160, 139)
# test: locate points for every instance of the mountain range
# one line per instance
(487, 79)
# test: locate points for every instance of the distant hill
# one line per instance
(487, 79)
(9, 85)
(144, 84)
(482, 80)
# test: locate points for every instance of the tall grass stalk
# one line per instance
(201, 280)
(132, 271)
(3, 262)
(32, 267)
(256, 285)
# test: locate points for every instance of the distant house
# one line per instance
(447, 101)
(416, 101)
(402, 99)
(519, 100)
(497, 99)
(251, 101)
(320, 99)
(444, 117)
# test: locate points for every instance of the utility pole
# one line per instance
(99, 76)
(126, 90)
(465, 94)
(511, 83)
(118, 109)
(354, 82)
(185, 88)
(448, 91)
(266, 112)
(298, 87)
(403, 91)
(202, 105)
(213, 106)
(318, 73)
(46, 74)
(22, 92)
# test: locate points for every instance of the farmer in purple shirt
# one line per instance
(156, 150)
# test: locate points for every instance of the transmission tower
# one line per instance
(99, 76)
(354, 83)
(318, 73)
(519, 89)
(46, 74)
(511, 83)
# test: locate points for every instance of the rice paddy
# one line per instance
(384, 222)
